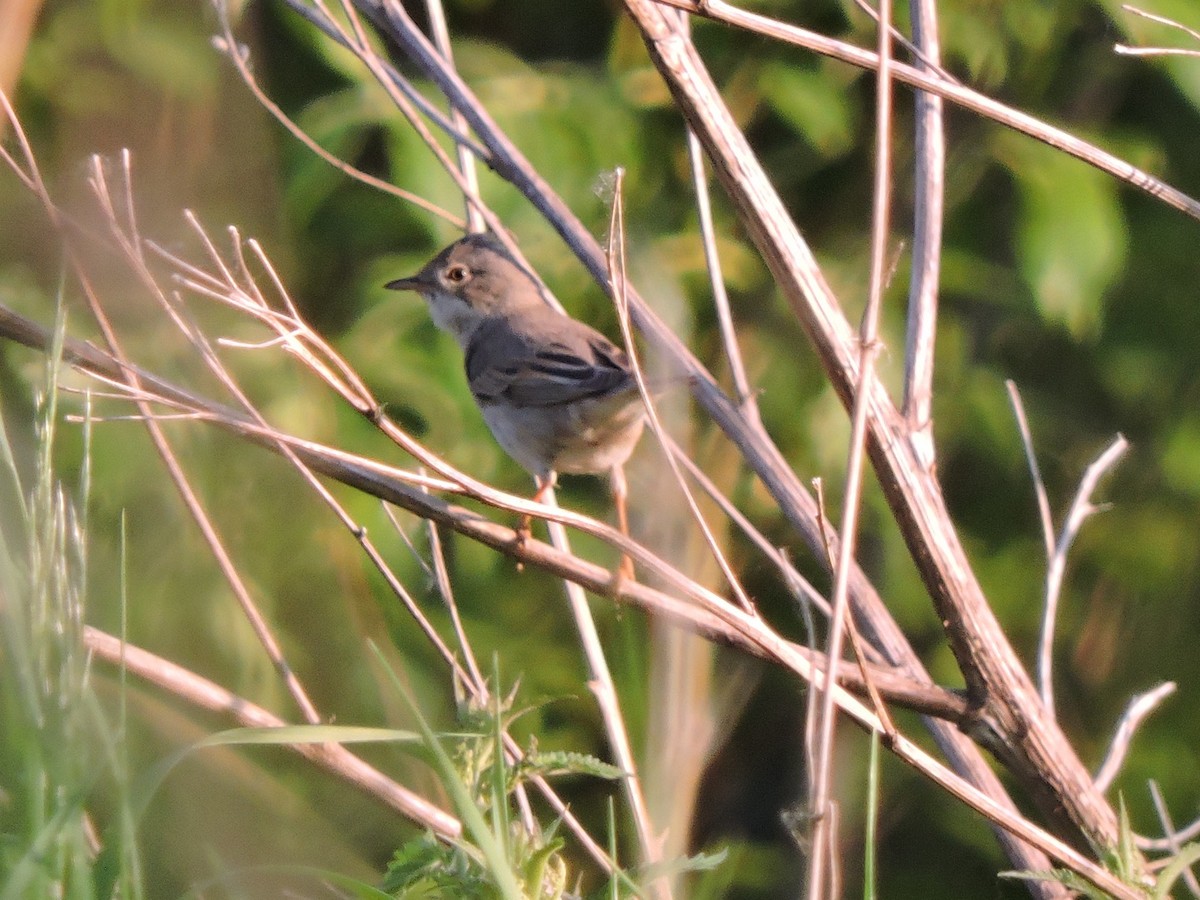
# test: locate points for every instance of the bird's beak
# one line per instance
(415, 283)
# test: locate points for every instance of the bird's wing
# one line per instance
(544, 360)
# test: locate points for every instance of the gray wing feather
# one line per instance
(546, 359)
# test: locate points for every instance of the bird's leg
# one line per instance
(620, 492)
(545, 484)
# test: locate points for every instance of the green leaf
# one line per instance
(422, 866)
(305, 734)
(1071, 235)
(1128, 859)
(490, 845)
(568, 763)
(339, 123)
(814, 103)
(536, 866)
(972, 38)
(1073, 880)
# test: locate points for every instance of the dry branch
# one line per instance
(694, 610)
(795, 503)
(333, 757)
(1012, 723)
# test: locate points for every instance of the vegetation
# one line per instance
(1077, 287)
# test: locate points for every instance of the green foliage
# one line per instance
(1072, 239)
(59, 751)
(548, 765)
(802, 98)
(1064, 877)
(497, 856)
(425, 867)
(1124, 860)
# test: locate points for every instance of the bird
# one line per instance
(556, 394)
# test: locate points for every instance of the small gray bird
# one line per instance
(557, 395)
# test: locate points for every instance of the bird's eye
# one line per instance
(457, 274)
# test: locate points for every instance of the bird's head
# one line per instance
(472, 280)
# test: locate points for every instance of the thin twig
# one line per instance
(601, 684)
(649, 844)
(722, 11)
(466, 159)
(1161, 20)
(402, 95)
(317, 14)
(737, 368)
(918, 50)
(800, 587)
(824, 840)
(336, 759)
(1081, 508)
(1125, 50)
(1039, 485)
(239, 57)
(1158, 51)
(479, 689)
(1188, 832)
(445, 589)
(1172, 836)
(862, 652)
(254, 616)
(1139, 709)
(620, 282)
(929, 191)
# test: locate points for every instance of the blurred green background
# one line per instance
(1081, 290)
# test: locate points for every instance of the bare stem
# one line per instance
(1139, 709)
(823, 836)
(207, 695)
(927, 236)
(1080, 510)
(721, 11)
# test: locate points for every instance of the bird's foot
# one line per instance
(623, 574)
(523, 534)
